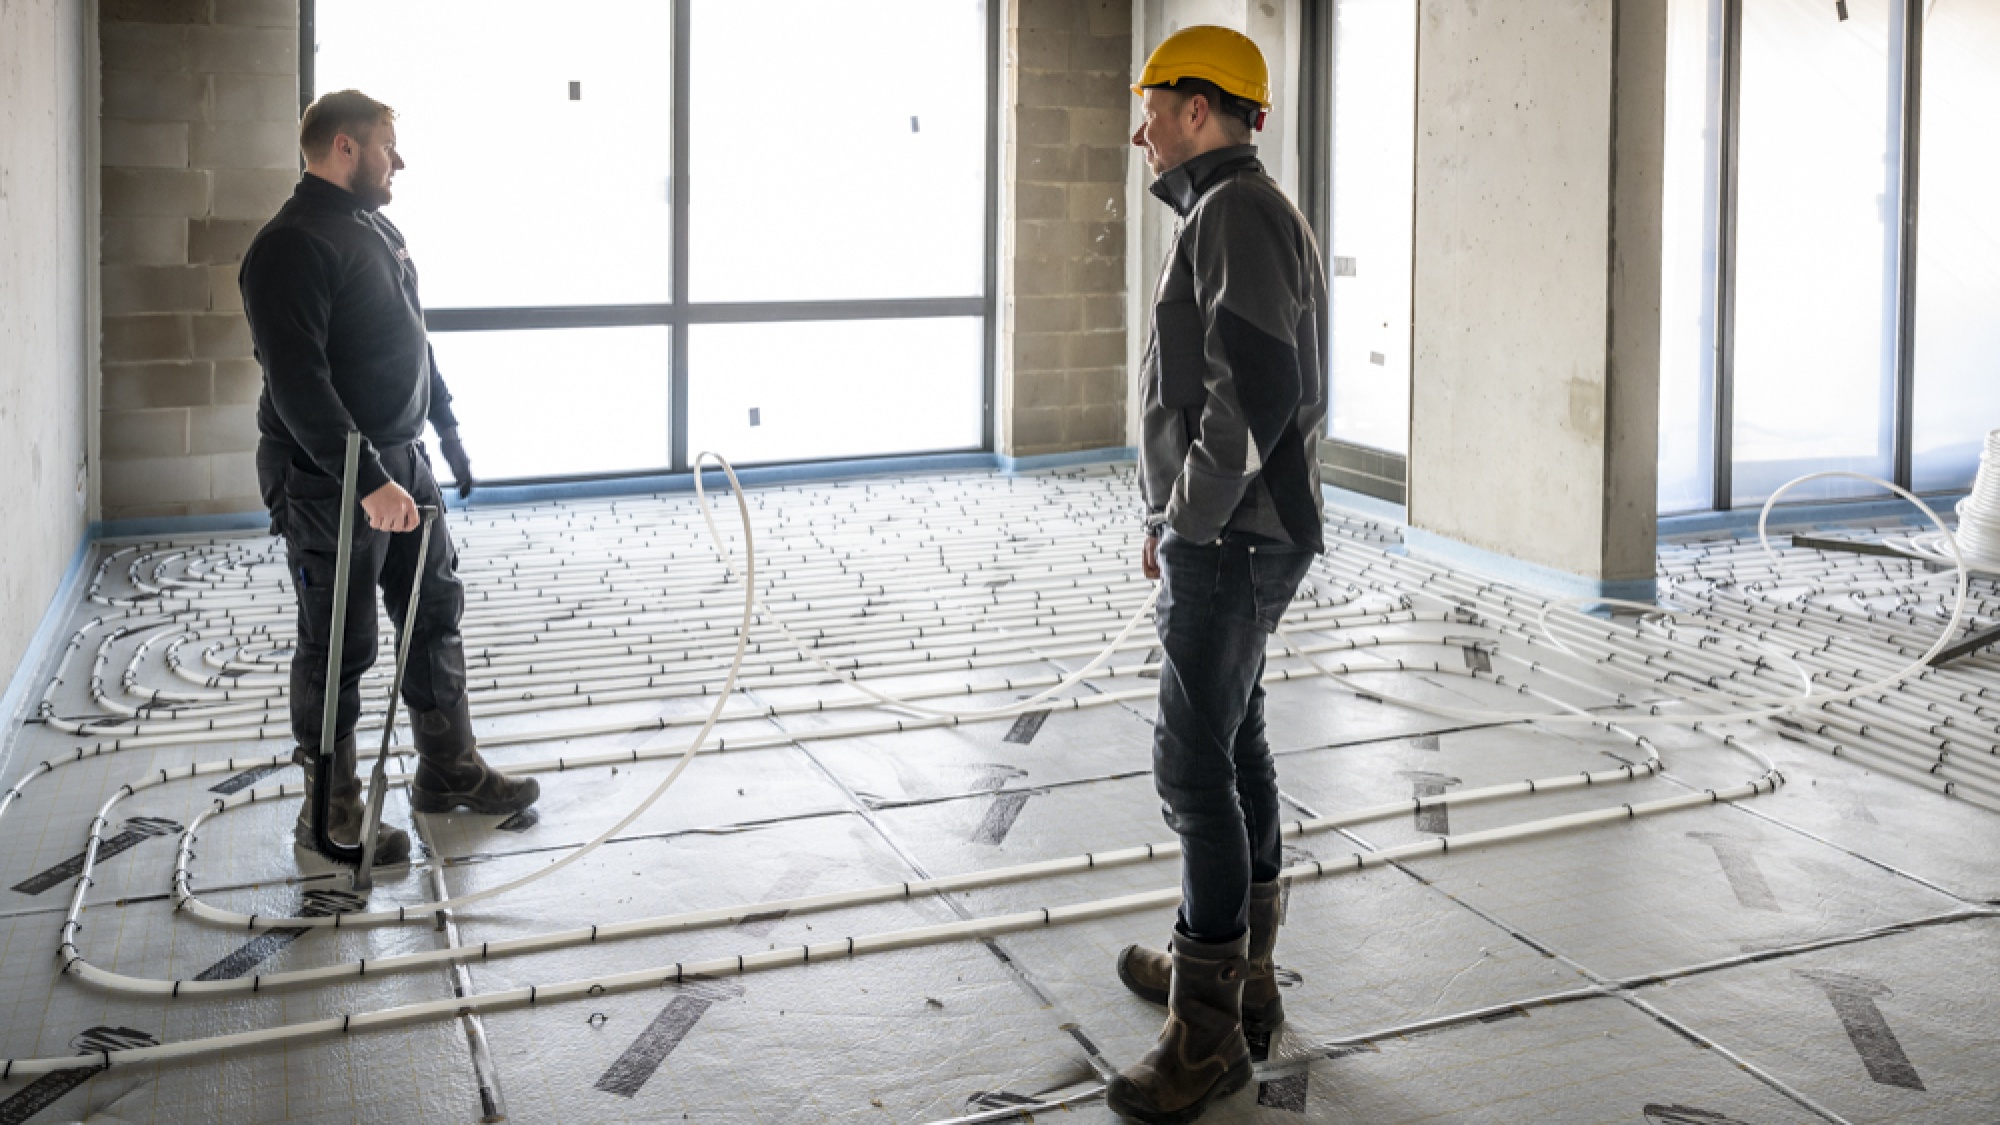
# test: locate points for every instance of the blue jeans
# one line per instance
(1213, 770)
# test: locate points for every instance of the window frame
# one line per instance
(678, 313)
(1908, 25)
(1361, 468)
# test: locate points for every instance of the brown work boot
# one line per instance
(1149, 972)
(1201, 1054)
(451, 774)
(345, 812)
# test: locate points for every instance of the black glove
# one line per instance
(461, 465)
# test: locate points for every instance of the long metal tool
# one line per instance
(343, 565)
(378, 781)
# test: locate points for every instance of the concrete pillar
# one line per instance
(1062, 370)
(44, 323)
(1534, 412)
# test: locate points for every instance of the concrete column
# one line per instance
(200, 120)
(44, 322)
(1534, 414)
(1062, 346)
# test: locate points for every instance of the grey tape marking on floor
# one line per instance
(1291, 855)
(45, 1091)
(998, 1099)
(1025, 728)
(244, 780)
(1097, 1060)
(1686, 1115)
(644, 1056)
(1435, 820)
(794, 883)
(999, 819)
(1006, 807)
(259, 949)
(520, 821)
(1287, 1093)
(252, 954)
(137, 831)
(1424, 742)
(995, 775)
(1853, 998)
(1739, 866)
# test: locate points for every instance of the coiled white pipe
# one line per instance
(1978, 538)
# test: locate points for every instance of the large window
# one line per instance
(1817, 187)
(1830, 282)
(1958, 257)
(1374, 221)
(1690, 223)
(641, 236)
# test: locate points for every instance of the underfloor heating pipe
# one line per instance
(1046, 916)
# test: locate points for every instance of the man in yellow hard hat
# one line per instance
(1233, 407)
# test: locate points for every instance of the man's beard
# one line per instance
(373, 194)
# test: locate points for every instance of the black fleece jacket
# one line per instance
(331, 294)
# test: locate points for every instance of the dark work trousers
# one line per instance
(306, 509)
(1218, 605)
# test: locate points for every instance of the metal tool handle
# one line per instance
(343, 565)
(378, 780)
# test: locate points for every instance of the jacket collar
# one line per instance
(324, 193)
(1182, 186)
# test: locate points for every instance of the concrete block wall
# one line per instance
(1069, 123)
(199, 136)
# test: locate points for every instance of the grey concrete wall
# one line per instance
(1062, 364)
(200, 112)
(44, 324)
(1539, 138)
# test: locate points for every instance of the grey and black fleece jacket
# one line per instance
(1233, 383)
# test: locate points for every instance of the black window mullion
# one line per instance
(989, 397)
(1725, 290)
(1906, 248)
(678, 367)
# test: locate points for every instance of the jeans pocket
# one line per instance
(1189, 572)
(1275, 574)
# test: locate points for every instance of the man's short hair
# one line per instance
(343, 111)
(1237, 116)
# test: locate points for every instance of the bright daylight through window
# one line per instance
(539, 205)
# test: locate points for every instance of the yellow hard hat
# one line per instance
(1216, 54)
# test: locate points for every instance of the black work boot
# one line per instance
(451, 774)
(1201, 1054)
(345, 812)
(1149, 972)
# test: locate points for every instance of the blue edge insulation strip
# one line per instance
(42, 648)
